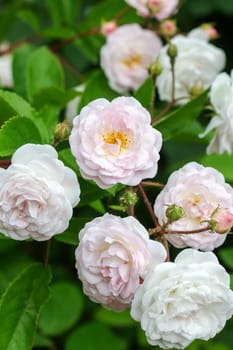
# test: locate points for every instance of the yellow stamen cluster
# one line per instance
(117, 138)
(132, 61)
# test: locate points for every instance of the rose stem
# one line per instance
(47, 252)
(149, 208)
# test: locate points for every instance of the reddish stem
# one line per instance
(189, 232)
(150, 209)
(4, 163)
(152, 184)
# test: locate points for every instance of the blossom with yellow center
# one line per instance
(118, 138)
(114, 142)
(205, 199)
(132, 61)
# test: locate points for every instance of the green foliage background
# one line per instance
(54, 52)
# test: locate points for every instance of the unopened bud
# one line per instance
(155, 68)
(210, 30)
(223, 219)
(168, 28)
(172, 52)
(174, 212)
(196, 89)
(128, 198)
(154, 6)
(108, 27)
(61, 130)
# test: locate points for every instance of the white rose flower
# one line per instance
(113, 142)
(37, 193)
(200, 192)
(6, 79)
(196, 66)
(127, 55)
(183, 301)
(113, 257)
(221, 98)
(159, 9)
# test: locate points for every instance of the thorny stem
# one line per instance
(152, 184)
(150, 209)
(4, 163)
(188, 232)
(166, 246)
(19, 43)
(167, 109)
(47, 252)
(131, 211)
(66, 64)
(173, 81)
(122, 13)
(77, 36)
(163, 112)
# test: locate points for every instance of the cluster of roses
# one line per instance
(125, 59)
(119, 265)
(117, 262)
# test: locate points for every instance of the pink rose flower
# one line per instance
(112, 258)
(127, 55)
(159, 9)
(37, 194)
(113, 142)
(202, 194)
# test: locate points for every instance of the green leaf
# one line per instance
(145, 92)
(43, 71)
(70, 236)
(12, 104)
(98, 206)
(85, 337)
(16, 132)
(8, 18)
(59, 33)
(90, 47)
(53, 96)
(43, 341)
(104, 10)
(20, 306)
(174, 123)
(63, 12)
(225, 6)
(63, 309)
(114, 319)
(96, 87)
(49, 114)
(226, 254)
(29, 17)
(68, 159)
(231, 281)
(19, 63)
(220, 162)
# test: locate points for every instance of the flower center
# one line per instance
(132, 61)
(116, 138)
(116, 141)
(199, 207)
